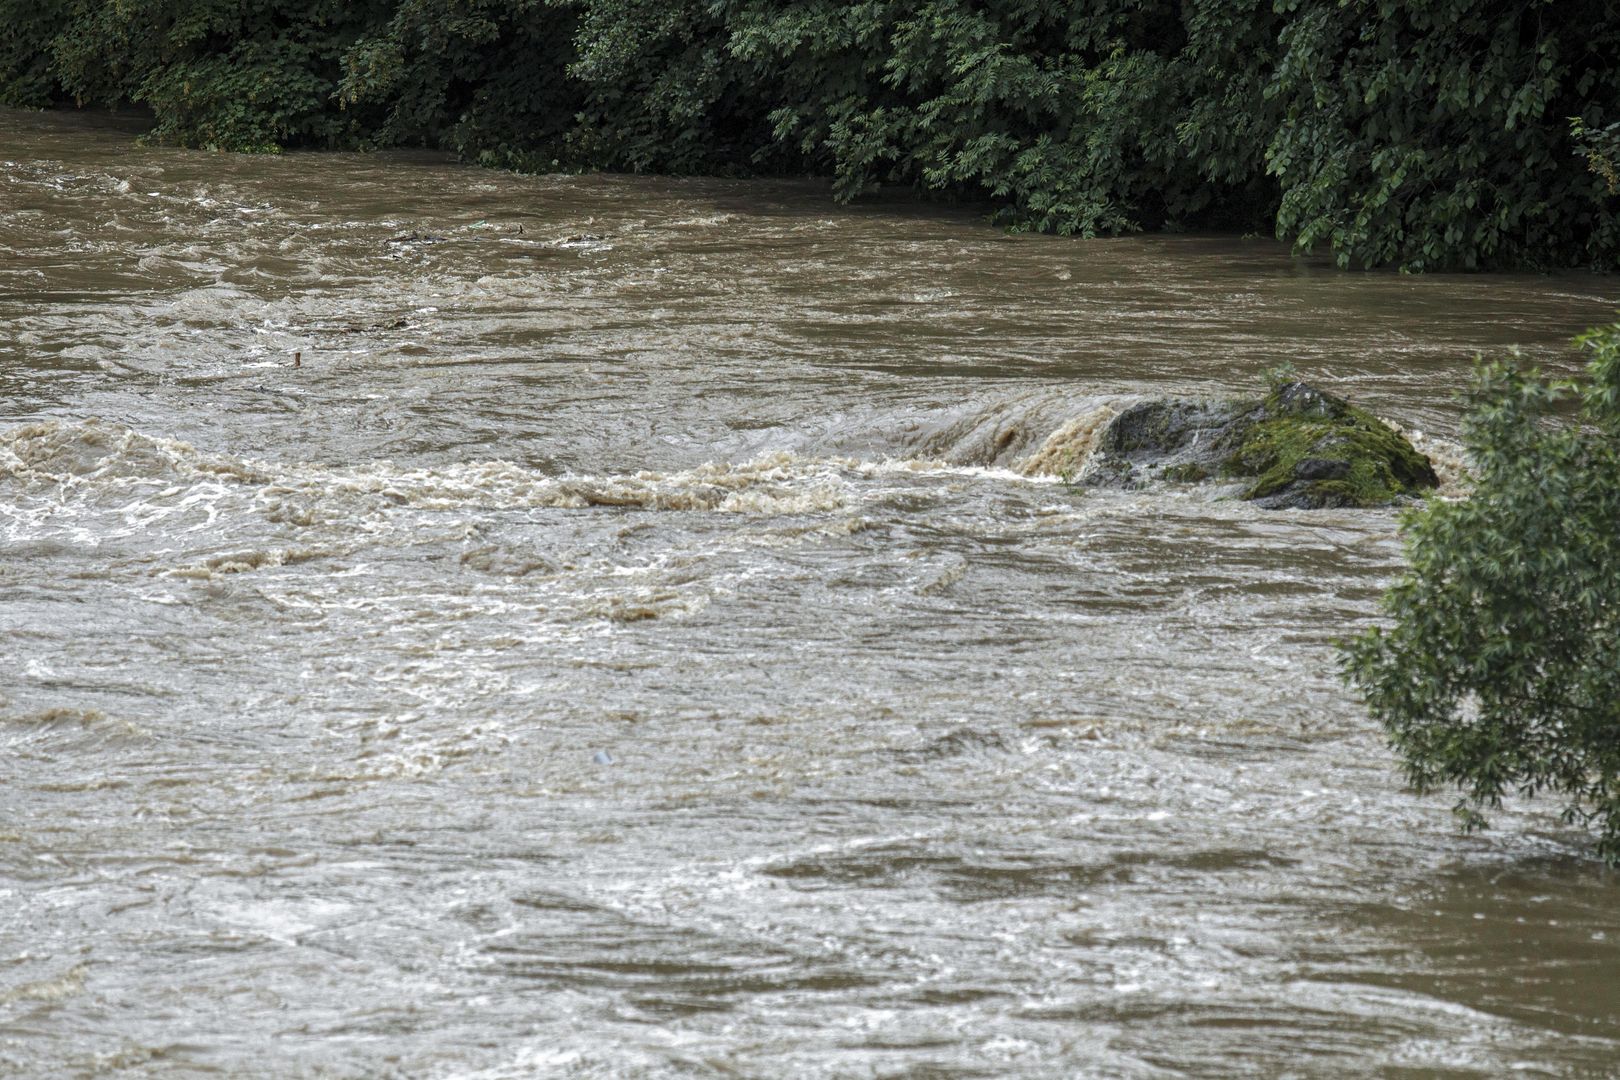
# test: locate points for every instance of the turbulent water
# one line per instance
(648, 633)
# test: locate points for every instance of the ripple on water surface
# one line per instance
(649, 634)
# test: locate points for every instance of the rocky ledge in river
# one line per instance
(1296, 448)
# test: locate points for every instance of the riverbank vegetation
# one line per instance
(1434, 134)
(1501, 671)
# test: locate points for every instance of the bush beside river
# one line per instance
(1440, 134)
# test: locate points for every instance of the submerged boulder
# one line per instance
(1296, 448)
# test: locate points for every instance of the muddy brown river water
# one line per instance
(650, 635)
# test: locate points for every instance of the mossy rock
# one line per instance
(1314, 450)
(1188, 472)
(1297, 448)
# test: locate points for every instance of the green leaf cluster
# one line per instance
(28, 69)
(485, 78)
(1423, 134)
(1601, 149)
(1500, 670)
(218, 74)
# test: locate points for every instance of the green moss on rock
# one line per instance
(1296, 448)
(1311, 449)
(1188, 472)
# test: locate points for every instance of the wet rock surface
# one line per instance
(1296, 448)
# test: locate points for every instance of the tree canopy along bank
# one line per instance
(1426, 134)
(1501, 671)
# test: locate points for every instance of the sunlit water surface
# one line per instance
(650, 635)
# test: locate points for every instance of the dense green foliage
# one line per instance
(1601, 149)
(1422, 134)
(1501, 670)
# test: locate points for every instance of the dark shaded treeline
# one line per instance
(1425, 134)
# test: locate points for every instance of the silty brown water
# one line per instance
(649, 635)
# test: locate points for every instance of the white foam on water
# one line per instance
(54, 473)
(1449, 458)
(1066, 452)
(49, 990)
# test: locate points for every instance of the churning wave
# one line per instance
(131, 480)
(110, 464)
